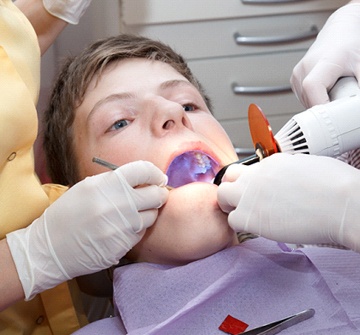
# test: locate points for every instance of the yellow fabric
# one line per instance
(19, 87)
(61, 309)
(50, 313)
(22, 197)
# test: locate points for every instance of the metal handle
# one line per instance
(239, 39)
(237, 89)
(268, 1)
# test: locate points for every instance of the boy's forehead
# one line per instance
(136, 74)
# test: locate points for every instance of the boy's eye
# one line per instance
(119, 124)
(189, 107)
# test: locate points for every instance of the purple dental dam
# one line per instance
(189, 167)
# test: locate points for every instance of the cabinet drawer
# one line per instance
(165, 11)
(217, 38)
(265, 70)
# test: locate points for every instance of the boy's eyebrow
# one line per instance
(109, 98)
(128, 95)
(175, 82)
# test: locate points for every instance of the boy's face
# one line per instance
(145, 110)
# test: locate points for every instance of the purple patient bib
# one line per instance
(257, 282)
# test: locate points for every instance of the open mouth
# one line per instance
(191, 166)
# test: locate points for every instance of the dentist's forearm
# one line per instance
(11, 290)
(47, 26)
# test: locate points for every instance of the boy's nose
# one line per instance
(168, 124)
(169, 116)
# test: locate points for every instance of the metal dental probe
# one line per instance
(112, 166)
(104, 163)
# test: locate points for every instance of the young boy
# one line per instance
(141, 109)
(129, 98)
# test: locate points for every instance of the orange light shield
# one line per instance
(261, 132)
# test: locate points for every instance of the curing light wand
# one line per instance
(325, 130)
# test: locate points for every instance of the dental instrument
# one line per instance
(112, 166)
(104, 163)
(277, 326)
(326, 130)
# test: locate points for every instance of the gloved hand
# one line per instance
(294, 199)
(334, 54)
(67, 10)
(89, 228)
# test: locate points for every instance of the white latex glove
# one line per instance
(89, 228)
(334, 54)
(67, 10)
(294, 199)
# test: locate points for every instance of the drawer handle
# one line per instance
(268, 1)
(239, 39)
(237, 89)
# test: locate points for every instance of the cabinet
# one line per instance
(241, 51)
(249, 44)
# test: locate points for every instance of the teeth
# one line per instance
(203, 161)
(191, 166)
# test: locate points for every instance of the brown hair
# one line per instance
(72, 83)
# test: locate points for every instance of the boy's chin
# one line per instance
(197, 186)
(202, 228)
(197, 195)
(190, 226)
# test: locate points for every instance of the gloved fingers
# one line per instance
(233, 172)
(234, 183)
(142, 172)
(320, 81)
(228, 196)
(311, 86)
(148, 218)
(237, 223)
(149, 197)
(334, 54)
(357, 73)
(142, 200)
